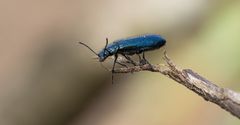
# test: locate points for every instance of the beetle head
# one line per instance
(103, 55)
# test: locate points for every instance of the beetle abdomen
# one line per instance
(136, 45)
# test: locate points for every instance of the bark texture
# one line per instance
(223, 97)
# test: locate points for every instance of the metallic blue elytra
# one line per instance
(132, 45)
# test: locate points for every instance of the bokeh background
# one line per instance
(46, 78)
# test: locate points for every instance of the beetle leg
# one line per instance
(129, 59)
(139, 57)
(144, 60)
(115, 60)
(121, 64)
(141, 60)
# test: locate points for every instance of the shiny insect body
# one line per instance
(129, 46)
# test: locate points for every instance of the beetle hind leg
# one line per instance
(141, 60)
(144, 61)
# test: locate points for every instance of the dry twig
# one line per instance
(223, 97)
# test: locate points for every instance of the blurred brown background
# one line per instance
(46, 78)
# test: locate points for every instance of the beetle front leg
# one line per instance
(115, 60)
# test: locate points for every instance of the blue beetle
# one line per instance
(130, 46)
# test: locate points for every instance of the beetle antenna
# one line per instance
(88, 48)
(105, 48)
(106, 43)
